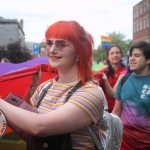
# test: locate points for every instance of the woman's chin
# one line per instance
(54, 65)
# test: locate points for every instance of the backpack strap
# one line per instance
(77, 86)
(95, 138)
(42, 93)
(125, 77)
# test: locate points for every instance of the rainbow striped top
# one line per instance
(89, 98)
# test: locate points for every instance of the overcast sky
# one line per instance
(98, 17)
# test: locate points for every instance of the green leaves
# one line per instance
(15, 52)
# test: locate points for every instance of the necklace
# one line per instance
(68, 81)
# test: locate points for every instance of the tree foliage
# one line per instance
(99, 54)
(15, 52)
(119, 39)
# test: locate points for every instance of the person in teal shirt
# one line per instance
(133, 100)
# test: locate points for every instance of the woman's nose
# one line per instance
(53, 49)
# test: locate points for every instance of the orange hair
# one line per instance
(83, 42)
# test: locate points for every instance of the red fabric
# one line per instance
(98, 74)
(138, 137)
(18, 82)
(112, 81)
(126, 146)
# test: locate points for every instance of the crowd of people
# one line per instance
(61, 124)
(130, 100)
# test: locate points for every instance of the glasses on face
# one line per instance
(60, 44)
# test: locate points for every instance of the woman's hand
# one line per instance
(32, 87)
(36, 78)
(104, 77)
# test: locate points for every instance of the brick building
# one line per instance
(141, 21)
(11, 31)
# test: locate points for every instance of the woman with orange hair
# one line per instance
(61, 124)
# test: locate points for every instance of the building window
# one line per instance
(134, 15)
(147, 23)
(137, 13)
(148, 6)
(137, 26)
(141, 11)
(144, 8)
(141, 25)
(134, 28)
(144, 24)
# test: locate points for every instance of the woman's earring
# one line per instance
(77, 59)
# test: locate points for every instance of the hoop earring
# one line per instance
(77, 59)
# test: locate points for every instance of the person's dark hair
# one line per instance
(144, 47)
(111, 71)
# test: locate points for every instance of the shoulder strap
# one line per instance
(43, 92)
(125, 77)
(95, 138)
(77, 86)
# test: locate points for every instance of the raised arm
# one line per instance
(32, 86)
(29, 92)
(108, 87)
(111, 90)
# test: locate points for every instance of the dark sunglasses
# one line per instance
(60, 44)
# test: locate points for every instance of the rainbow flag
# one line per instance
(105, 41)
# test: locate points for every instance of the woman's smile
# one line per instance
(54, 58)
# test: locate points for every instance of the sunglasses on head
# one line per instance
(60, 44)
